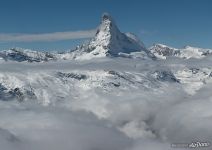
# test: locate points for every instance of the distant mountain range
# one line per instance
(109, 41)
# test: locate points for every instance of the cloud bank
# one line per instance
(84, 118)
(46, 37)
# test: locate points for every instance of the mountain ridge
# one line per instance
(108, 41)
(162, 51)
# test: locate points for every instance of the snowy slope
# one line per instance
(39, 84)
(37, 81)
(162, 52)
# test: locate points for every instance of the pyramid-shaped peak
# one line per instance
(107, 23)
(110, 41)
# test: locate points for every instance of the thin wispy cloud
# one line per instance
(46, 37)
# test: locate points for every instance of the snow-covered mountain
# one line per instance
(21, 55)
(110, 41)
(70, 79)
(163, 51)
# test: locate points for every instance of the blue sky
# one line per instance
(173, 22)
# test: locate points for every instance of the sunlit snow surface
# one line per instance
(105, 104)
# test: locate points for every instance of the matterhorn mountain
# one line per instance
(110, 41)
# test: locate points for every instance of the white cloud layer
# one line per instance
(45, 37)
(84, 118)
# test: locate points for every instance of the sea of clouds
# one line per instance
(98, 120)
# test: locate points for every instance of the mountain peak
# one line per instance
(107, 27)
(108, 20)
(110, 41)
(106, 16)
